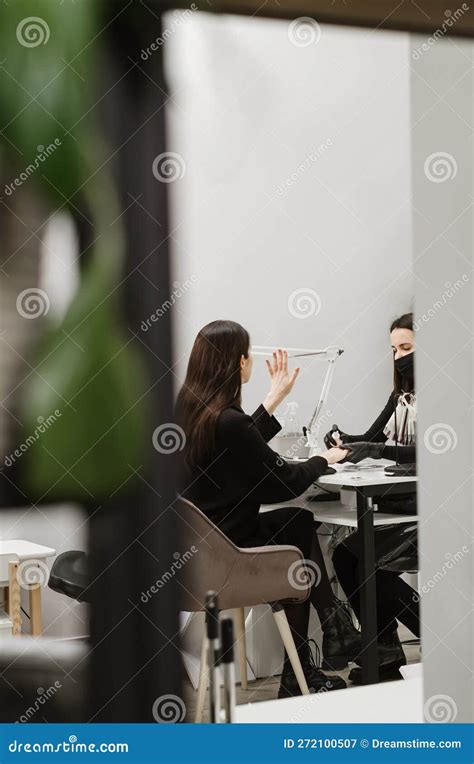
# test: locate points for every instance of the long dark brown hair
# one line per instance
(403, 322)
(212, 383)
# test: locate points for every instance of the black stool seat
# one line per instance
(70, 575)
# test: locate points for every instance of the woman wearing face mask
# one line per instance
(229, 471)
(396, 600)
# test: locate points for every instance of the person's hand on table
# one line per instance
(281, 380)
(334, 455)
(363, 450)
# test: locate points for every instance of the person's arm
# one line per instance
(406, 454)
(267, 425)
(375, 433)
(272, 478)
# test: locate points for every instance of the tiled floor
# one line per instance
(267, 689)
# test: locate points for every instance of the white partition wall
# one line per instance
(293, 212)
(319, 172)
(442, 119)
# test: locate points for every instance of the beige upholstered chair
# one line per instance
(242, 578)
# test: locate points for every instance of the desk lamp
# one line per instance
(331, 354)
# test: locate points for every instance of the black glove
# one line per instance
(329, 441)
(363, 450)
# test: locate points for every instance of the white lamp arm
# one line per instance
(332, 354)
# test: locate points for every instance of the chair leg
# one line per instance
(36, 623)
(202, 687)
(289, 643)
(14, 601)
(239, 623)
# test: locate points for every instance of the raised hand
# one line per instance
(281, 380)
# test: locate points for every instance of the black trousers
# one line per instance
(396, 600)
(296, 526)
(286, 525)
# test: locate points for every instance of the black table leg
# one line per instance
(367, 592)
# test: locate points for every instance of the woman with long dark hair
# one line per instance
(392, 436)
(230, 470)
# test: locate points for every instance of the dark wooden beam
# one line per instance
(404, 15)
(134, 647)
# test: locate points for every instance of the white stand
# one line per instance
(332, 354)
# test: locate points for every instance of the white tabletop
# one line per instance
(345, 478)
(25, 550)
(399, 702)
(339, 514)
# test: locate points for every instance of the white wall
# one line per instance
(248, 109)
(442, 99)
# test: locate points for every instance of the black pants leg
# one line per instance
(405, 600)
(322, 595)
(296, 527)
(396, 600)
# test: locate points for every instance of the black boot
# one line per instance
(316, 680)
(341, 640)
(391, 657)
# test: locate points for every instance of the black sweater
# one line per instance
(244, 472)
(375, 434)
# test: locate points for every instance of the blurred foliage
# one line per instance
(47, 85)
(86, 368)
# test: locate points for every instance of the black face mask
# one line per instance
(404, 365)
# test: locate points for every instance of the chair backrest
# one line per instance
(241, 577)
(208, 556)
